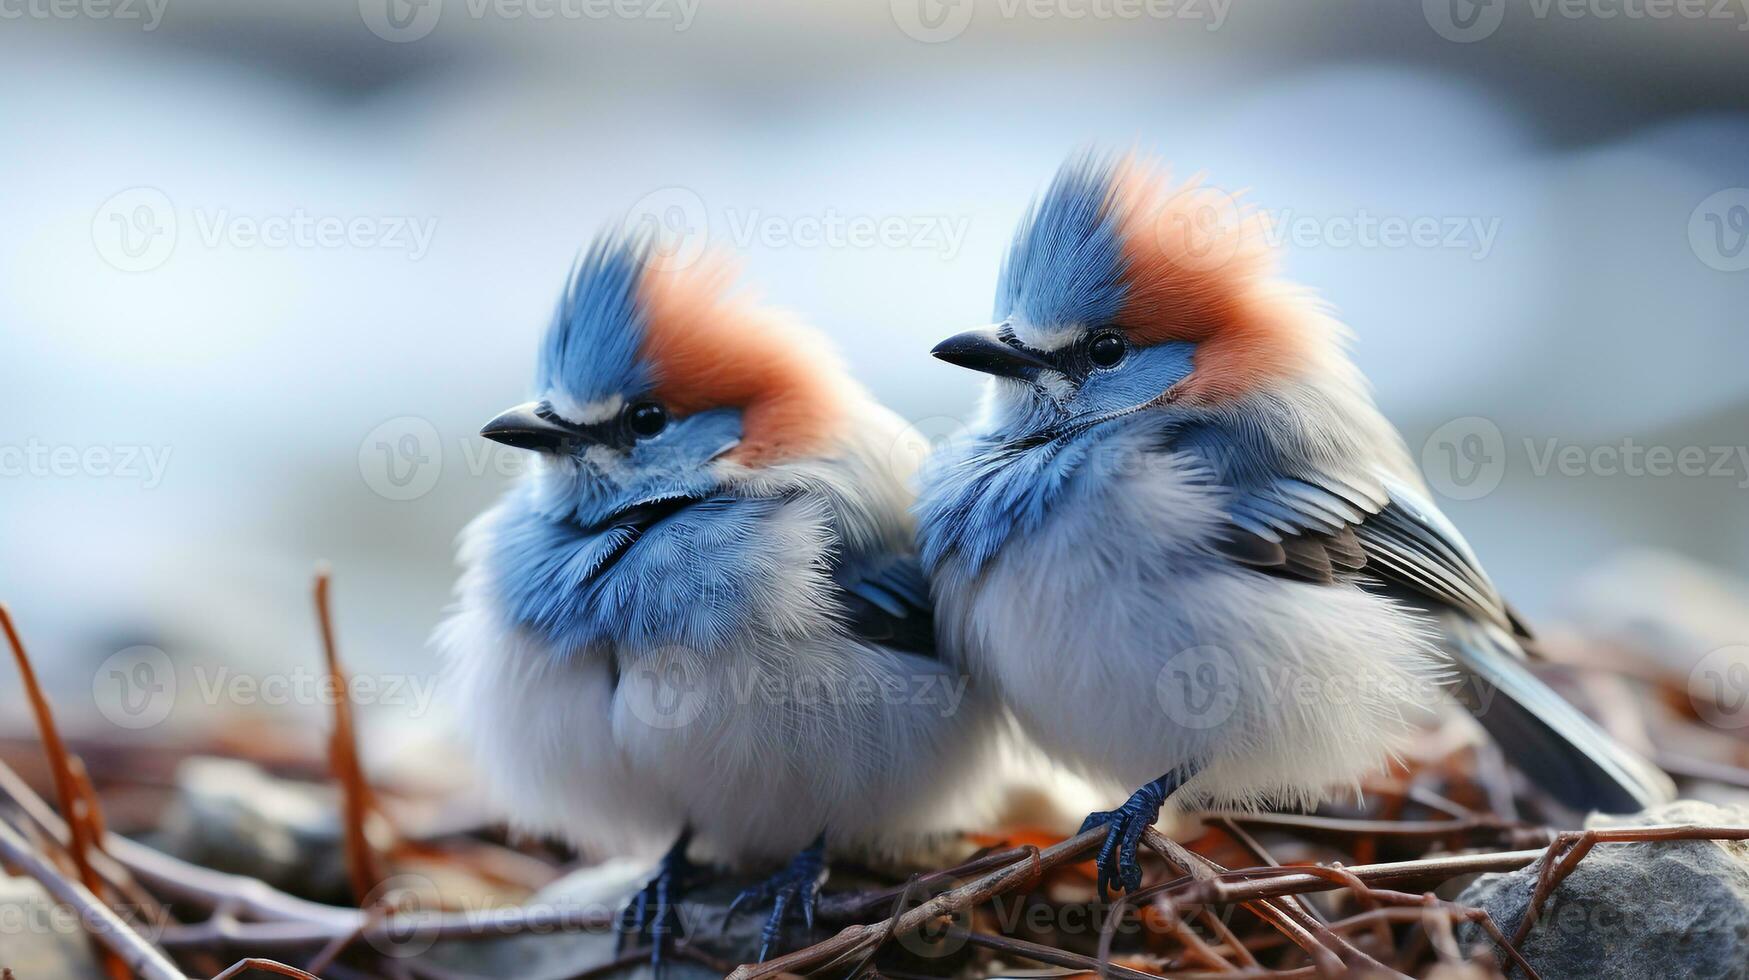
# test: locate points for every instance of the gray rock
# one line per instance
(605, 888)
(1634, 911)
(231, 815)
(43, 937)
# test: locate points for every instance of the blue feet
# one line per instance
(796, 887)
(653, 913)
(1124, 828)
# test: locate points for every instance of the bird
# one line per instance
(1186, 549)
(696, 625)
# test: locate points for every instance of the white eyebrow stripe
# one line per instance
(567, 408)
(1046, 339)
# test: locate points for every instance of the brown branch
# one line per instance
(137, 956)
(364, 867)
(66, 772)
(1046, 954)
(265, 966)
(1578, 844)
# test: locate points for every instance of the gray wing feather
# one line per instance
(1388, 537)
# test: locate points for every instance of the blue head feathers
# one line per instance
(591, 350)
(1066, 263)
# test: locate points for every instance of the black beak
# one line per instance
(523, 428)
(983, 350)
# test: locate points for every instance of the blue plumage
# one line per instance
(980, 491)
(1004, 481)
(591, 350)
(1066, 263)
(577, 586)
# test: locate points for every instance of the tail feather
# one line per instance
(1547, 738)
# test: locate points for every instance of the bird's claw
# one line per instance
(654, 912)
(795, 888)
(1124, 828)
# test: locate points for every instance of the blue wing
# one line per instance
(1384, 535)
(885, 599)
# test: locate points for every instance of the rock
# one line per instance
(605, 888)
(44, 938)
(232, 816)
(1632, 911)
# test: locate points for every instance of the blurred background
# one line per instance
(268, 266)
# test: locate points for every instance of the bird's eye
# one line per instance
(646, 419)
(1106, 350)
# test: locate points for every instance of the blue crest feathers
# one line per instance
(1066, 263)
(591, 349)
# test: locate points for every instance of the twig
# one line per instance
(265, 966)
(127, 946)
(66, 773)
(1578, 844)
(364, 866)
(1047, 954)
(856, 938)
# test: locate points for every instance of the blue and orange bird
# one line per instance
(698, 623)
(1184, 546)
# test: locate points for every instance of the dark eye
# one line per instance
(1106, 350)
(646, 419)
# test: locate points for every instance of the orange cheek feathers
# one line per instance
(715, 351)
(1199, 269)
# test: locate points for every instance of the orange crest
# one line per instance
(1198, 267)
(713, 349)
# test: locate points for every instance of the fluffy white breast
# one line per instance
(1130, 650)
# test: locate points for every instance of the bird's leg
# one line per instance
(796, 887)
(1124, 829)
(654, 910)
